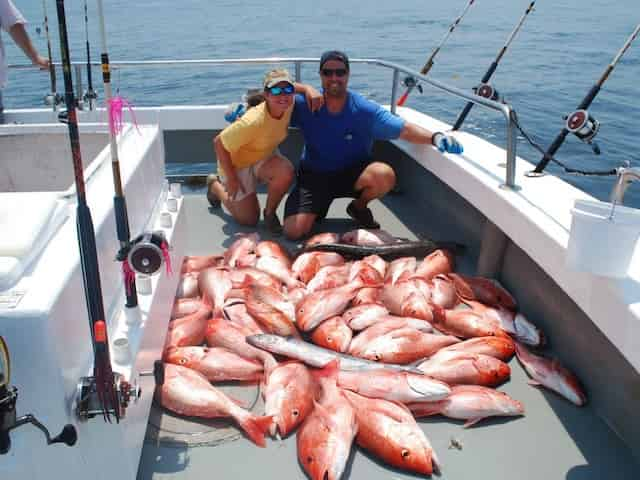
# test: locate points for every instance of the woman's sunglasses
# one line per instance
(339, 72)
(286, 90)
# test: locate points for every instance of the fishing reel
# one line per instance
(8, 419)
(89, 405)
(584, 126)
(486, 90)
(53, 99)
(90, 96)
(146, 253)
(411, 82)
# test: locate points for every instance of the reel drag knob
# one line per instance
(582, 125)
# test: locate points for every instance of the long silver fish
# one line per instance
(317, 356)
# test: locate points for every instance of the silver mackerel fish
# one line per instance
(319, 357)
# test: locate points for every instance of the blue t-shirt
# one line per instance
(337, 141)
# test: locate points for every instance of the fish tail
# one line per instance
(256, 428)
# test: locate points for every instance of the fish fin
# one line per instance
(330, 370)
(534, 383)
(472, 421)
(256, 428)
(240, 403)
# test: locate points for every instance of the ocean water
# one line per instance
(560, 53)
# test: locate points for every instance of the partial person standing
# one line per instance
(337, 158)
(12, 21)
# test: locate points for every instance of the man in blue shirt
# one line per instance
(336, 161)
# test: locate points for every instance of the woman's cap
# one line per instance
(334, 55)
(276, 76)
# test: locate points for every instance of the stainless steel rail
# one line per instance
(397, 69)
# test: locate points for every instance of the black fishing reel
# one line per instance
(486, 90)
(147, 252)
(411, 82)
(584, 126)
(8, 418)
(89, 405)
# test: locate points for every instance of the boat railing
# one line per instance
(397, 70)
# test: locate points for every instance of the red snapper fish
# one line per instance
(389, 431)
(551, 374)
(463, 368)
(185, 306)
(498, 347)
(437, 262)
(222, 333)
(471, 403)
(215, 284)
(306, 265)
(366, 237)
(272, 310)
(363, 315)
(188, 286)
(333, 334)
(267, 248)
(485, 290)
(187, 392)
(324, 440)
(320, 238)
(216, 364)
(288, 392)
(243, 245)
(197, 263)
(188, 330)
(319, 306)
(515, 324)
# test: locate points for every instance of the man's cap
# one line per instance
(276, 76)
(334, 55)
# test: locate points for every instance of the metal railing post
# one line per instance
(394, 90)
(512, 136)
(78, 69)
(298, 71)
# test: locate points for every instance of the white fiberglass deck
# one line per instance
(554, 440)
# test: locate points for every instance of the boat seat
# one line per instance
(28, 220)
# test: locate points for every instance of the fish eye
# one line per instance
(295, 412)
(309, 459)
(377, 357)
(405, 453)
(182, 361)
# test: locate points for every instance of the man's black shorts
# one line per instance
(314, 191)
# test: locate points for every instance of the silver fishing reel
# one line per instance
(487, 91)
(584, 126)
(147, 253)
(87, 402)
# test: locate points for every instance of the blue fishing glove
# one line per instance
(234, 112)
(446, 143)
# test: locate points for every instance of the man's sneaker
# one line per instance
(214, 201)
(362, 215)
(272, 223)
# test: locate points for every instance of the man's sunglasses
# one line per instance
(338, 72)
(287, 90)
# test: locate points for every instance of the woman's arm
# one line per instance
(314, 98)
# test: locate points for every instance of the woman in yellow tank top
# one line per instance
(247, 153)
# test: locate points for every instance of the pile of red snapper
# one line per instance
(399, 340)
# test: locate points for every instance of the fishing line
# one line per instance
(537, 146)
(102, 371)
(484, 89)
(580, 123)
(53, 98)
(411, 82)
(90, 95)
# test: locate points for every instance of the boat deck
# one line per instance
(554, 440)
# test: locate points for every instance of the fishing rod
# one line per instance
(580, 122)
(103, 376)
(90, 95)
(119, 203)
(484, 89)
(411, 82)
(53, 98)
